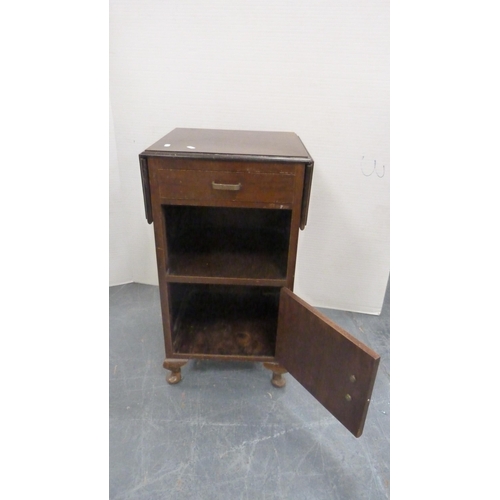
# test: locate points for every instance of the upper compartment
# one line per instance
(227, 245)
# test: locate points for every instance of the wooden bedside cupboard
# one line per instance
(227, 207)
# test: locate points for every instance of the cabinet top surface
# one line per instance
(195, 142)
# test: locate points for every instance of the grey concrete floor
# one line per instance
(225, 432)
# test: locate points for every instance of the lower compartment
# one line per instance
(224, 320)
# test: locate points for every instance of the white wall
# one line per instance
(120, 265)
(317, 68)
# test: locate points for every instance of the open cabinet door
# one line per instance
(336, 368)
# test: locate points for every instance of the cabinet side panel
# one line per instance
(295, 224)
(161, 258)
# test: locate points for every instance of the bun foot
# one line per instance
(277, 379)
(175, 376)
(174, 365)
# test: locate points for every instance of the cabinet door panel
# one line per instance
(336, 368)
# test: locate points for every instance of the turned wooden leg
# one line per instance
(174, 365)
(277, 379)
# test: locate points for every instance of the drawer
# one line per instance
(220, 185)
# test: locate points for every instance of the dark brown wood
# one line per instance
(226, 164)
(224, 320)
(195, 141)
(224, 280)
(295, 226)
(226, 217)
(248, 242)
(239, 204)
(227, 213)
(277, 379)
(174, 365)
(161, 261)
(218, 243)
(176, 184)
(145, 188)
(336, 368)
(245, 237)
(228, 264)
(253, 150)
(306, 194)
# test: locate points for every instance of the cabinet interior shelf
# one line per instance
(222, 280)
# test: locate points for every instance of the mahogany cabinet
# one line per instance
(227, 208)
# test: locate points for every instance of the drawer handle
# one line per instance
(226, 187)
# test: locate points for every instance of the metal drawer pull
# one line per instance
(226, 187)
